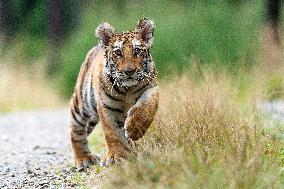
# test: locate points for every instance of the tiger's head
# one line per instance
(127, 54)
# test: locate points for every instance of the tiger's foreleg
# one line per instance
(141, 115)
(79, 132)
(117, 144)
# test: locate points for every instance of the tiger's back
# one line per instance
(83, 103)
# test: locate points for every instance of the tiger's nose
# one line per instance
(130, 72)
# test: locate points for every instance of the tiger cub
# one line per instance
(117, 86)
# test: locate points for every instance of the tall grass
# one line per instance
(219, 31)
(203, 137)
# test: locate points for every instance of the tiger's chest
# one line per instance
(121, 102)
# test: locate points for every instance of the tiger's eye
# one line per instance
(118, 52)
(137, 51)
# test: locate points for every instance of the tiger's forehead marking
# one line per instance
(126, 39)
(118, 44)
(136, 42)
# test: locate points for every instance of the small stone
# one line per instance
(73, 185)
(79, 169)
(36, 147)
(45, 186)
(50, 152)
(73, 169)
(7, 170)
(43, 183)
(14, 183)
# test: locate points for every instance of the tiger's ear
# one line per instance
(104, 32)
(146, 28)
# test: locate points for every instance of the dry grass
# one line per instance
(25, 88)
(204, 136)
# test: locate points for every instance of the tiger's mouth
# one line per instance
(129, 82)
(130, 77)
(123, 80)
(124, 77)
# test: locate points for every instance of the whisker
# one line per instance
(113, 85)
(147, 77)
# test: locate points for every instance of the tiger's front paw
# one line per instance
(132, 134)
(86, 161)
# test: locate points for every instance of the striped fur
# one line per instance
(117, 86)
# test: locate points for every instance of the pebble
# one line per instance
(36, 147)
(50, 152)
(7, 170)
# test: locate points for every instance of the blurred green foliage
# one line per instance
(211, 31)
(29, 25)
(220, 31)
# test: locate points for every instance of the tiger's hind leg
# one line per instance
(81, 127)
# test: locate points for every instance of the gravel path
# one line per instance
(35, 148)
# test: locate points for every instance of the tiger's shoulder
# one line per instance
(94, 57)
